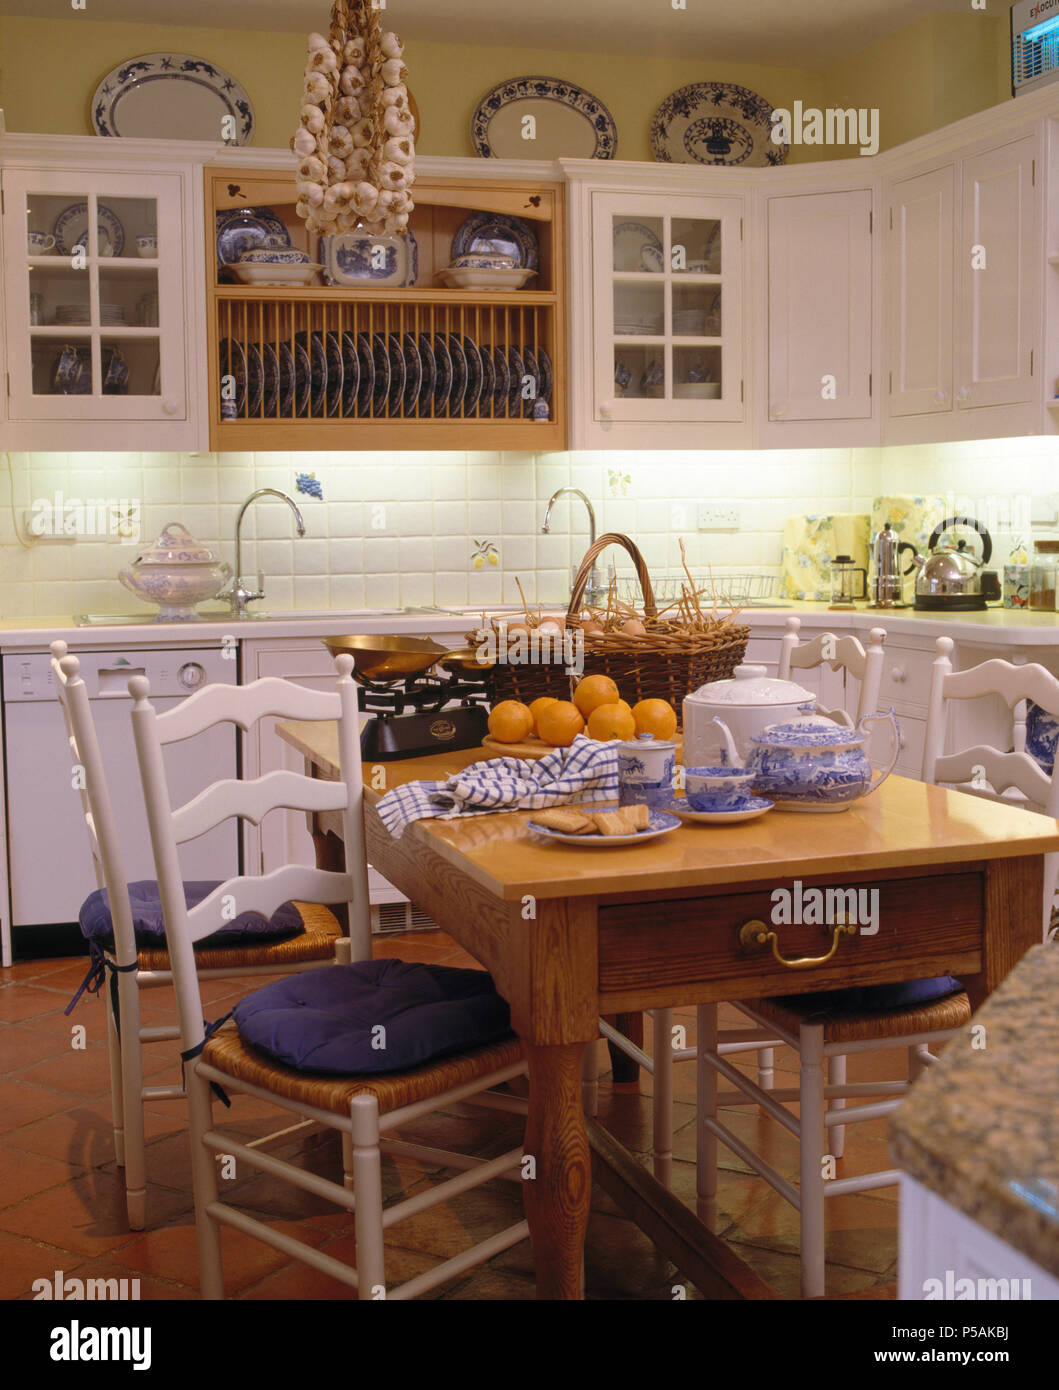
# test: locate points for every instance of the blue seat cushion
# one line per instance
(149, 924)
(883, 998)
(372, 1016)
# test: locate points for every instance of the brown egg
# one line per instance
(591, 626)
(634, 627)
(551, 623)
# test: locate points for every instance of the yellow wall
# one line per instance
(934, 71)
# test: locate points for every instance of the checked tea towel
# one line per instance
(586, 771)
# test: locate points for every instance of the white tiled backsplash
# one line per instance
(403, 528)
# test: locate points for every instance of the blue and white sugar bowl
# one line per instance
(645, 771)
(812, 763)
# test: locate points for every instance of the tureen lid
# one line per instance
(642, 741)
(176, 546)
(808, 731)
(751, 685)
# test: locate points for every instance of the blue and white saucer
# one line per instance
(748, 808)
(660, 824)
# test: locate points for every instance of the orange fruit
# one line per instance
(510, 721)
(560, 723)
(611, 721)
(593, 691)
(656, 717)
(541, 702)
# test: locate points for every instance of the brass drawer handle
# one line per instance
(755, 935)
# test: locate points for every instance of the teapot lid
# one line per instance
(808, 731)
(176, 546)
(642, 741)
(751, 685)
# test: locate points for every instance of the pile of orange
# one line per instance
(597, 710)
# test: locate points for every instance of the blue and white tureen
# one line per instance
(812, 763)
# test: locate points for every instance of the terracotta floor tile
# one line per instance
(22, 1044)
(21, 1104)
(25, 970)
(22, 1261)
(81, 1136)
(452, 1227)
(301, 1281)
(492, 1285)
(78, 1073)
(21, 1177)
(18, 1002)
(861, 1230)
(87, 1215)
(150, 1288)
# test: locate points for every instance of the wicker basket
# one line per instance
(669, 662)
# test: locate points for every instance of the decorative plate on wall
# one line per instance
(715, 123)
(171, 96)
(566, 120)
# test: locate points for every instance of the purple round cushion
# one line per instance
(149, 924)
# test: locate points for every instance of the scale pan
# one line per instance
(466, 658)
(386, 659)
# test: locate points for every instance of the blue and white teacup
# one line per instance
(147, 246)
(717, 788)
(40, 243)
(645, 771)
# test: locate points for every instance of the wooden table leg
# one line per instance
(557, 1197)
(1014, 896)
(624, 1069)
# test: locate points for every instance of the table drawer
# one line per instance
(687, 950)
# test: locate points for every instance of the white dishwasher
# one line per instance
(50, 866)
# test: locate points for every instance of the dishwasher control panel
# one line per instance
(107, 674)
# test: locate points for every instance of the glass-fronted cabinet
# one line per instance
(667, 312)
(94, 283)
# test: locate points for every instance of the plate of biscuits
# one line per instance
(626, 825)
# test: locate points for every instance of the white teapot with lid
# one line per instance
(748, 702)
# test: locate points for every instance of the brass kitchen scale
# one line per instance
(409, 687)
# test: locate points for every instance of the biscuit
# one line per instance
(568, 822)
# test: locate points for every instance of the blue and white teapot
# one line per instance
(812, 763)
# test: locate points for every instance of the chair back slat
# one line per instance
(1014, 683)
(253, 800)
(840, 653)
(264, 894)
(87, 772)
(245, 705)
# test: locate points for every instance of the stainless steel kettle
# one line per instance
(953, 578)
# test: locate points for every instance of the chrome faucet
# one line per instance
(237, 595)
(594, 592)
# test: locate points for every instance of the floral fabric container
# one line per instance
(809, 542)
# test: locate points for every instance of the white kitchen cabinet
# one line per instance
(103, 336)
(998, 259)
(940, 1245)
(656, 313)
(820, 271)
(920, 292)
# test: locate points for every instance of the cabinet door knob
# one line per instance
(777, 412)
(606, 410)
(171, 406)
(963, 395)
(941, 397)
(898, 674)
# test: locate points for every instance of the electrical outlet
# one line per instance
(714, 517)
(38, 527)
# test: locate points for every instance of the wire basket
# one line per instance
(737, 587)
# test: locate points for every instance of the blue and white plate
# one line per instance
(514, 391)
(303, 379)
(532, 370)
(314, 348)
(71, 230)
(473, 393)
(502, 383)
(442, 375)
(398, 375)
(286, 381)
(233, 363)
(353, 258)
(661, 823)
(245, 229)
(749, 808)
(485, 402)
(270, 367)
(350, 374)
(634, 246)
(715, 123)
(381, 353)
(366, 393)
(255, 380)
(586, 127)
(159, 95)
(459, 374)
(413, 374)
(335, 373)
(490, 233)
(544, 366)
(428, 375)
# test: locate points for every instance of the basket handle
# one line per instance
(650, 608)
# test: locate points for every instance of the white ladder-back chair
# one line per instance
(132, 969)
(362, 1108)
(840, 653)
(984, 770)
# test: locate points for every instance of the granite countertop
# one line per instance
(981, 1128)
